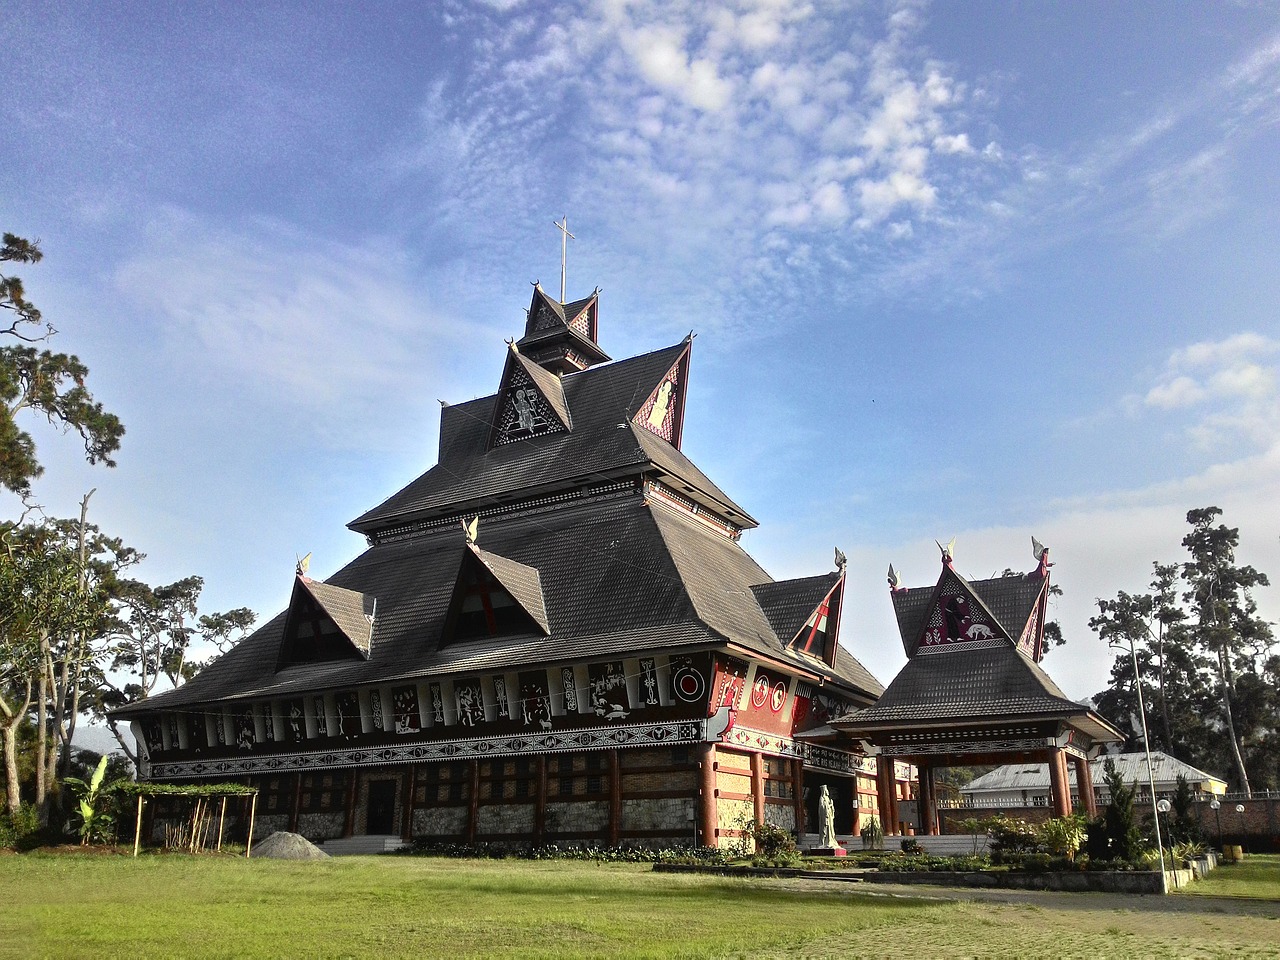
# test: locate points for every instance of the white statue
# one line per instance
(826, 820)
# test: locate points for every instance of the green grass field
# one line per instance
(162, 906)
(1258, 877)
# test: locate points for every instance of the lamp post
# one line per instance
(1216, 806)
(1240, 819)
(1151, 775)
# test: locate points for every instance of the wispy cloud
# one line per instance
(321, 331)
(684, 127)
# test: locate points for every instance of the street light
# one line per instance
(1163, 807)
(1151, 775)
(1216, 806)
(1240, 818)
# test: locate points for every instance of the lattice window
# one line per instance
(323, 792)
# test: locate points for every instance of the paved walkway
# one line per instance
(1182, 903)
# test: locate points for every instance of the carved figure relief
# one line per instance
(404, 704)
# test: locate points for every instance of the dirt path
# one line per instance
(1177, 903)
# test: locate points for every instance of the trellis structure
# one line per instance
(202, 793)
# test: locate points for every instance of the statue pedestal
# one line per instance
(829, 852)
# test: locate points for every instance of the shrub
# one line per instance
(1115, 834)
(1010, 837)
(19, 826)
(1062, 836)
(872, 834)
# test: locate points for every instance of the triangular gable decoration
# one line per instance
(326, 623)
(663, 412)
(544, 312)
(495, 597)
(1031, 642)
(530, 403)
(820, 632)
(581, 315)
(957, 616)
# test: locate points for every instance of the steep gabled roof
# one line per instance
(967, 683)
(318, 615)
(603, 444)
(1008, 602)
(788, 603)
(518, 579)
(616, 575)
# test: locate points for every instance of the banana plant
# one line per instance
(94, 823)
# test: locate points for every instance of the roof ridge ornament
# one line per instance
(841, 560)
(895, 581)
(471, 528)
(303, 564)
(948, 551)
(1041, 553)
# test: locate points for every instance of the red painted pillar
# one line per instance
(927, 800)
(708, 822)
(797, 793)
(757, 785)
(888, 795)
(1060, 789)
(1084, 782)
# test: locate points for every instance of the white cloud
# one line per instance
(1228, 388)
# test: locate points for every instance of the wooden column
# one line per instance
(885, 797)
(540, 803)
(615, 797)
(925, 801)
(296, 808)
(473, 802)
(707, 812)
(757, 785)
(349, 824)
(797, 794)
(1084, 783)
(1059, 788)
(410, 786)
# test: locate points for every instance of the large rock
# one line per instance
(283, 845)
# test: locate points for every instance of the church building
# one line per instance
(554, 636)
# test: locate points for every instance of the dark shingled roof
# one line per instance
(967, 683)
(519, 580)
(788, 603)
(350, 610)
(602, 444)
(618, 576)
(1011, 600)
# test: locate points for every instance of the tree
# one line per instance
(150, 643)
(1209, 679)
(48, 384)
(1228, 626)
(57, 579)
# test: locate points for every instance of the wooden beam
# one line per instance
(757, 785)
(615, 797)
(473, 804)
(540, 803)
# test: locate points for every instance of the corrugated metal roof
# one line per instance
(1131, 766)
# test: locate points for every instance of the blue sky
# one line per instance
(978, 270)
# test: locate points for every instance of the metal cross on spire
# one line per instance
(566, 236)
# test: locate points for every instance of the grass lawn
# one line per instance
(1258, 877)
(172, 905)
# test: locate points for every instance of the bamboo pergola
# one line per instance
(205, 795)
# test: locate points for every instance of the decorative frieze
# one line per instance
(593, 738)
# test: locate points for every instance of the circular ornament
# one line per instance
(760, 692)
